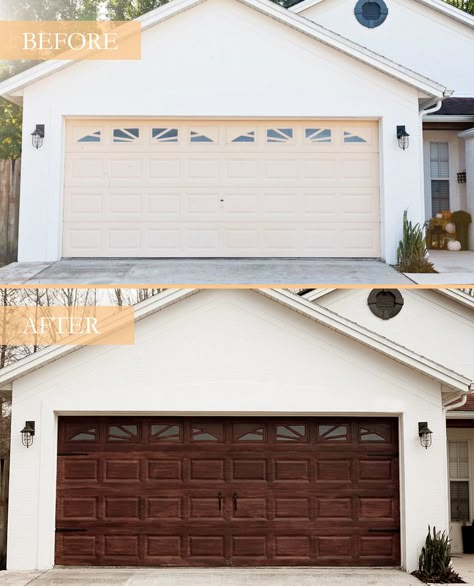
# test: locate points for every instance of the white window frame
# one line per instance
(466, 479)
(446, 178)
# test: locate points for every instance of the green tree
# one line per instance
(466, 5)
(130, 9)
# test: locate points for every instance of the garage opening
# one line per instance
(247, 188)
(170, 491)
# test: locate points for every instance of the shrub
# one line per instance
(411, 253)
(461, 217)
(434, 563)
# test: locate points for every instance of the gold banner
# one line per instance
(43, 40)
(65, 326)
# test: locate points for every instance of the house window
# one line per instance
(458, 457)
(371, 13)
(439, 170)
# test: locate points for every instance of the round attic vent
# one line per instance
(385, 303)
(371, 13)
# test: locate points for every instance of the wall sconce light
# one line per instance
(37, 136)
(27, 433)
(425, 434)
(461, 177)
(402, 137)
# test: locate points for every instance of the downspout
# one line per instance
(429, 107)
(459, 403)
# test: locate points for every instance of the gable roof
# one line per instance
(438, 5)
(446, 377)
(12, 87)
(457, 295)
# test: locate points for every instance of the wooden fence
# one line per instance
(9, 209)
(4, 473)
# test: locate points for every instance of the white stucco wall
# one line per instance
(224, 352)
(414, 35)
(220, 59)
(429, 323)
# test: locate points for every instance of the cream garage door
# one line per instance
(155, 188)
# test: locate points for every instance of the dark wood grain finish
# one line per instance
(145, 491)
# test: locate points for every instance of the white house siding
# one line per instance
(415, 35)
(426, 319)
(224, 353)
(457, 163)
(248, 66)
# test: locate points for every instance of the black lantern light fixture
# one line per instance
(402, 137)
(37, 136)
(28, 433)
(425, 434)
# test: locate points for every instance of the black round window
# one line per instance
(371, 13)
(385, 303)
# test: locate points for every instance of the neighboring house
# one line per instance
(244, 427)
(268, 135)
(440, 325)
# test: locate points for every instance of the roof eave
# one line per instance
(10, 87)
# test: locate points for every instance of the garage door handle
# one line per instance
(235, 496)
(219, 501)
(384, 530)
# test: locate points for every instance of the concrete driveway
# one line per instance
(215, 577)
(178, 272)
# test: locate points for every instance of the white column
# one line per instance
(468, 136)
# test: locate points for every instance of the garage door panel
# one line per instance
(277, 185)
(224, 491)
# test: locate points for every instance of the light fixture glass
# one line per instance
(37, 136)
(425, 434)
(403, 138)
(28, 433)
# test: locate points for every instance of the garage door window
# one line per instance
(93, 137)
(165, 134)
(126, 134)
(459, 480)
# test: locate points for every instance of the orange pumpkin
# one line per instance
(446, 214)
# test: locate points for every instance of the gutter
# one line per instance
(454, 405)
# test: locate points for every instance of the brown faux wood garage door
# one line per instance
(227, 491)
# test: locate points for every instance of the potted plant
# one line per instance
(462, 220)
(434, 563)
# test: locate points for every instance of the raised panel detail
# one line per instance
(122, 470)
(291, 470)
(80, 469)
(206, 546)
(375, 469)
(121, 545)
(249, 469)
(123, 508)
(291, 508)
(244, 546)
(250, 508)
(164, 508)
(335, 547)
(163, 546)
(78, 507)
(334, 470)
(335, 508)
(204, 507)
(164, 469)
(379, 546)
(78, 546)
(375, 508)
(292, 546)
(207, 469)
